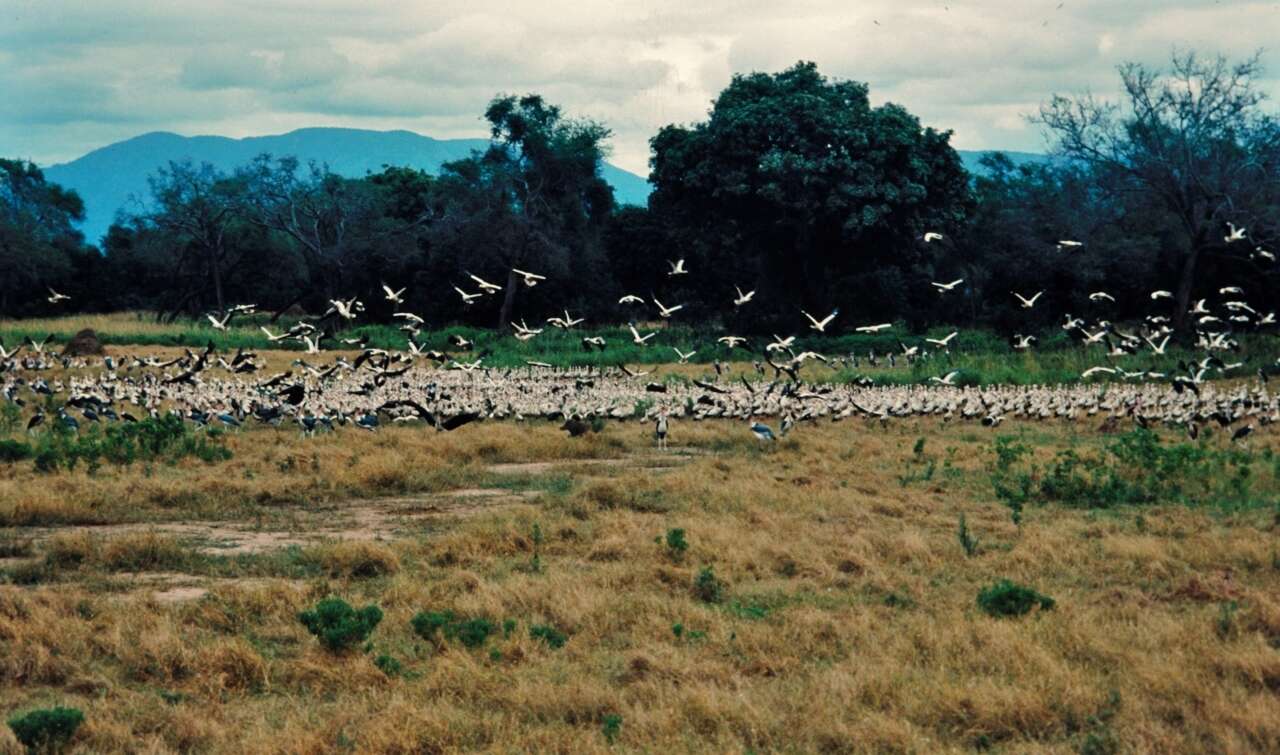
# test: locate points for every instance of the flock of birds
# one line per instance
(378, 386)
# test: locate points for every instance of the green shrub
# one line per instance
(388, 665)
(15, 450)
(707, 587)
(435, 626)
(611, 726)
(1006, 598)
(967, 540)
(548, 634)
(676, 544)
(165, 438)
(1135, 469)
(46, 729)
(338, 626)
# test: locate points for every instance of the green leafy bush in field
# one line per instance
(440, 626)
(548, 634)
(46, 729)
(388, 665)
(338, 626)
(15, 450)
(676, 544)
(165, 438)
(707, 587)
(1006, 598)
(1136, 469)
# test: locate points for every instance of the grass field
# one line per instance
(818, 596)
(981, 356)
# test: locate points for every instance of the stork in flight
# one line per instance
(395, 297)
(945, 287)
(1233, 234)
(742, 298)
(638, 339)
(677, 267)
(1028, 303)
(780, 343)
(820, 325)
(666, 312)
(731, 341)
(931, 236)
(1068, 244)
(631, 299)
(220, 324)
(467, 298)
(55, 297)
(485, 286)
(530, 279)
(684, 356)
(942, 342)
(874, 328)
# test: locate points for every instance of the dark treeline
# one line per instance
(795, 186)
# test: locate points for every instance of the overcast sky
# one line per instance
(79, 74)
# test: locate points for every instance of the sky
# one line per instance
(80, 74)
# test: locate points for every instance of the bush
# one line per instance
(15, 450)
(388, 665)
(548, 634)
(46, 729)
(165, 438)
(338, 626)
(1006, 598)
(707, 587)
(611, 726)
(676, 544)
(1136, 469)
(432, 625)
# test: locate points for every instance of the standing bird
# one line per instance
(660, 431)
(761, 431)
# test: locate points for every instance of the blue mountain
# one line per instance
(109, 178)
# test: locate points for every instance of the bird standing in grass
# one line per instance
(660, 430)
(761, 431)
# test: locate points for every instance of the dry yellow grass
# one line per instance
(848, 622)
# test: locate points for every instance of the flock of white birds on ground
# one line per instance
(379, 385)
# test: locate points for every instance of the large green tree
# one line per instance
(38, 237)
(1192, 140)
(797, 186)
(536, 194)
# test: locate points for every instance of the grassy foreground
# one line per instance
(981, 356)
(819, 597)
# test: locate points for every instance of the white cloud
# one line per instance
(77, 75)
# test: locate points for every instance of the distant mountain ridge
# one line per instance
(108, 177)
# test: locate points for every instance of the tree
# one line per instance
(37, 233)
(796, 183)
(538, 187)
(197, 207)
(1192, 140)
